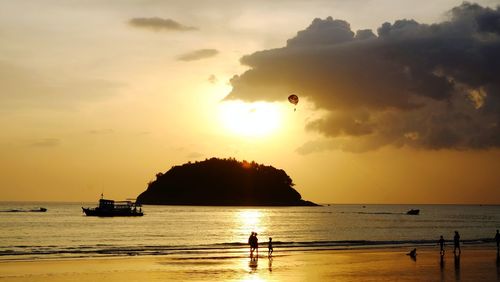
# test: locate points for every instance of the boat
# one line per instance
(32, 210)
(39, 210)
(413, 212)
(108, 208)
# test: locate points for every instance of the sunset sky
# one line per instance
(99, 96)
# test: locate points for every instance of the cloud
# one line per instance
(160, 24)
(198, 55)
(101, 131)
(26, 88)
(213, 79)
(425, 86)
(46, 143)
(195, 155)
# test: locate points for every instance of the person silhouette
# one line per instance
(270, 247)
(456, 243)
(254, 244)
(441, 245)
(497, 239)
(251, 243)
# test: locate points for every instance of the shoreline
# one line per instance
(474, 264)
(235, 251)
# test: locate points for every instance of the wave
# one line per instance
(356, 212)
(228, 248)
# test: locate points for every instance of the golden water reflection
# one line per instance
(250, 221)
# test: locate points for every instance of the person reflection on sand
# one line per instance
(441, 266)
(457, 266)
(254, 261)
(498, 267)
(270, 265)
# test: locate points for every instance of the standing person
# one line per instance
(270, 247)
(251, 244)
(441, 245)
(497, 238)
(456, 243)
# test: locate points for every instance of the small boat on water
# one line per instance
(32, 210)
(109, 208)
(413, 212)
(39, 210)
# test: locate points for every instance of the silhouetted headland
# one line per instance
(222, 182)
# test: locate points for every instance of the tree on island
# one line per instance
(223, 182)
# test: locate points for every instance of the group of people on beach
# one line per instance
(253, 241)
(456, 246)
(456, 243)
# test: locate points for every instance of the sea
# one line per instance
(65, 232)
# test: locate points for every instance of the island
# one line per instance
(222, 182)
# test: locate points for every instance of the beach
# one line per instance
(196, 243)
(389, 264)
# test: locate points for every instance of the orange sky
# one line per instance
(92, 102)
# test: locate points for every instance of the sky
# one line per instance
(399, 100)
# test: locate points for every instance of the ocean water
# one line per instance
(64, 231)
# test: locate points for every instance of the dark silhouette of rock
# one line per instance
(222, 182)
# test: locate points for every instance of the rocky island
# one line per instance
(222, 182)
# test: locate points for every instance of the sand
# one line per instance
(475, 264)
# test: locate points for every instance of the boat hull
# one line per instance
(413, 212)
(110, 213)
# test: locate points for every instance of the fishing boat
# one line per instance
(109, 208)
(413, 212)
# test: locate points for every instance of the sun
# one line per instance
(257, 119)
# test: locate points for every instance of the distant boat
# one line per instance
(413, 212)
(108, 208)
(39, 210)
(32, 210)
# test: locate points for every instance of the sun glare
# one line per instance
(250, 119)
(250, 221)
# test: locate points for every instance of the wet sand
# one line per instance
(475, 264)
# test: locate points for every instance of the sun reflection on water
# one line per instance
(250, 221)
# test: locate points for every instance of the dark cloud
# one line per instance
(159, 24)
(198, 55)
(427, 86)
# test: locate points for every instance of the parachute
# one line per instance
(294, 99)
